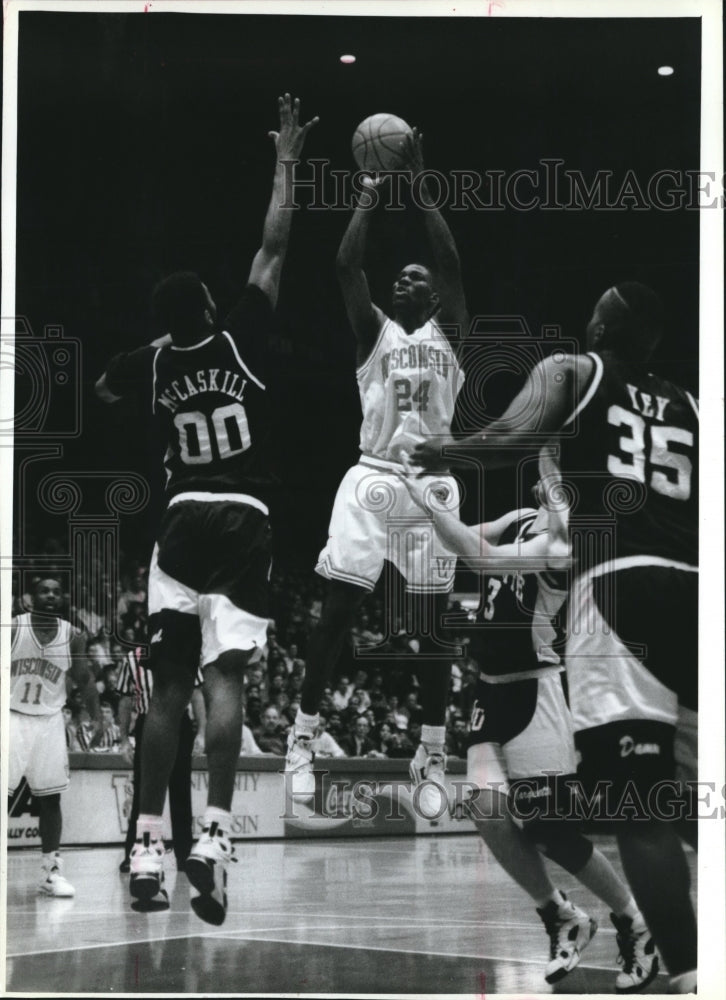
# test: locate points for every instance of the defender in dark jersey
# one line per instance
(205, 389)
(521, 756)
(628, 445)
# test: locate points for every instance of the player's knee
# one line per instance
(545, 809)
(487, 807)
(232, 662)
(562, 841)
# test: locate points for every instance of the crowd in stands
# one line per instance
(371, 710)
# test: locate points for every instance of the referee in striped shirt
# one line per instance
(135, 685)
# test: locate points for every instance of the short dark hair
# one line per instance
(36, 582)
(178, 303)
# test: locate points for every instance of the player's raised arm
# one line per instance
(470, 542)
(267, 265)
(549, 396)
(452, 301)
(365, 317)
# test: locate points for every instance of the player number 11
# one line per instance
(26, 693)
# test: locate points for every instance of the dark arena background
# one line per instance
(143, 148)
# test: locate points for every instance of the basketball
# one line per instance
(377, 142)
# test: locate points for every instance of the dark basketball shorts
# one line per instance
(520, 729)
(627, 771)
(632, 672)
(209, 578)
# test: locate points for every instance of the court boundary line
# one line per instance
(236, 935)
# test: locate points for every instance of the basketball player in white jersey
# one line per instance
(408, 378)
(45, 650)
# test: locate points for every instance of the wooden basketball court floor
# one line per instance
(413, 915)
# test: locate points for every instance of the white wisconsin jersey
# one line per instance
(408, 388)
(38, 673)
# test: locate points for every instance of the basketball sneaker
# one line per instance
(570, 931)
(147, 875)
(299, 766)
(206, 869)
(52, 882)
(638, 956)
(427, 769)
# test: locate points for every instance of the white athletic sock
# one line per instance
(305, 725)
(555, 897)
(153, 825)
(632, 911)
(223, 819)
(433, 737)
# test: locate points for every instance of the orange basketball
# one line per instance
(377, 143)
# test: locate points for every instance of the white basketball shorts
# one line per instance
(38, 752)
(374, 518)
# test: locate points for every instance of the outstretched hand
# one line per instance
(428, 455)
(290, 139)
(414, 484)
(412, 152)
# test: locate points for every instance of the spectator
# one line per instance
(98, 657)
(326, 702)
(413, 709)
(133, 593)
(107, 735)
(391, 743)
(248, 748)
(399, 718)
(413, 733)
(86, 612)
(253, 708)
(378, 706)
(281, 702)
(270, 735)
(325, 745)
(359, 743)
(357, 705)
(277, 685)
(82, 720)
(71, 735)
(291, 659)
(342, 693)
(457, 738)
(335, 725)
(106, 685)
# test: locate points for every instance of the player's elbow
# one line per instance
(103, 392)
(346, 263)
